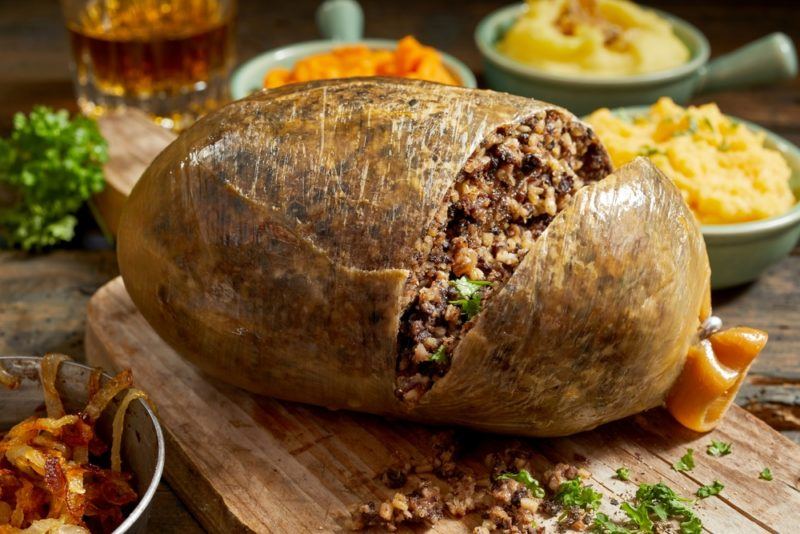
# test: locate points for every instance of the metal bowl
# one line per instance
(142, 441)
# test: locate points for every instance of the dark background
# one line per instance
(34, 51)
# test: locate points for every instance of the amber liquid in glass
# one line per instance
(170, 58)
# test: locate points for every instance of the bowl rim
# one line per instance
(147, 497)
(242, 73)
(498, 16)
(758, 227)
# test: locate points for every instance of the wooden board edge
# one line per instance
(191, 487)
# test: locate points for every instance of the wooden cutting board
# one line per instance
(244, 463)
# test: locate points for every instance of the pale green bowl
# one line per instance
(740, 252)
(769, 59)
(341, 22)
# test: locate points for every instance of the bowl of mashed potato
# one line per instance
(586, 54)
(741, 181)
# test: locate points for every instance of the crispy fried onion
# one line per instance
(48, 373)
(50, 482)
(9, 381)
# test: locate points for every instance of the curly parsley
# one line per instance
(766, 474)
(623, 473)
(49, 166)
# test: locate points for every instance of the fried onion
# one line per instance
(49, 481)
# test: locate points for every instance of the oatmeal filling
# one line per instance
(509, 190)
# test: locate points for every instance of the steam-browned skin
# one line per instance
(271, 245)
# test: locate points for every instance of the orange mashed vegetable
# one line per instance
(410, 60)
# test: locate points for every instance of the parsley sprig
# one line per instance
(653, 502)
(574, 493)
(711, 489)
(527, 480)
(718, 448)
(470, 292)
(686, 463)
(49, 166)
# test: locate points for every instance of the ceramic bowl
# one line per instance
(740, 252)
(769, 59)
(341, 23)
(142, 441)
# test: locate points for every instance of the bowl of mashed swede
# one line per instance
(741, 181)
(586, 54)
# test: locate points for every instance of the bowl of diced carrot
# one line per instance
(345, 58)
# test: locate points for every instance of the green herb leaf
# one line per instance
(663, 501)
(440, 356)
(718, 448)
(766, 474)
(466, 287)
(525, 478)
(603, 525)
(640, 516)
(692, 526)
(686, 463)
(623, 473)
(708, 491)
(573, 493)
(648, 151)
(49, 166)
(470, 293)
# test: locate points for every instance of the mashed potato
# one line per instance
(593, 38)
(721, 167)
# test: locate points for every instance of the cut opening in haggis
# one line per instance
(508, 192)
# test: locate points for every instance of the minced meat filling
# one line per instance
(509, 190)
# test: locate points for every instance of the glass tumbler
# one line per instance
(169, 58)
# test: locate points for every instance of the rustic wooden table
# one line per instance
(43, 297)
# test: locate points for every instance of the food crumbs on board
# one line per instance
(766, 474)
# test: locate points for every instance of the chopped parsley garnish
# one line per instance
(718, 448)
(470, 293)
(708, 491)
(708, 124)
(653, 502)
(573, 493)
(623, 473)
(648, 151)
(639, 516)
(440, 356)
(603, 525)
(766, 474)
(686, 463)
(525, 478)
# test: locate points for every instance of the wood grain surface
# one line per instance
(34, 69)
(248, 463)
